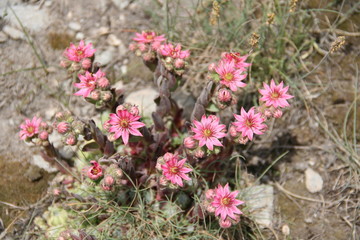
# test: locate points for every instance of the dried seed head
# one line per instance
(215, 13)
(337, 44)
(270, 18)
(293, 4)
(254, 40)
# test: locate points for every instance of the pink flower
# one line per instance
(95, 171)
(124, 123)
(29, 128)
(175, 171)
(168, 50)
(88, 83)
(77, 53)
(208, 131)
(148, 37)
(275, 95)
(225, 202)
(237, 58)
(229, 75)
(249, 123)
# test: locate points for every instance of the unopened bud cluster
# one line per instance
(69, 127)
(146, 45)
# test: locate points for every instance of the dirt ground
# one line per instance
(28, 89)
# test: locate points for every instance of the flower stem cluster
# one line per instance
(69, 127)
(146, 45)
(223, 203)
(124, 123)
(35, 131)
(78, 58)
(206, 135)
(173, 171)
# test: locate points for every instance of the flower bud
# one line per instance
(267, 113)
(70, 140)
(189, 143)
(156, 45)
(132, 47)
(148, 56)
(105, 187)
(211, 67)
(278, 113)
(59, 116)
(210, 194)
(224, 95)
(168, 156)
(44, 125)
(103, 82)
(210, 208)
(142, 47)
(78, 126)
(243, 140)
(120, 108)
(109, 180)
(106, 125)
(75, 67)
(168, 60)
(232, 131)
(86, 63)
(199, 153)
(65, 63)
(43, 135)
(107, 96)
(95, 95)
(62, 127)
(225, 223)
(179, 63)
(134, 110)
(163, 181)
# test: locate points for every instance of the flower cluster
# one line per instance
(69, 127)
(36, 131)
(107, 176)
(78, 57)
(146, 45)
(223, 203)
(172, 170)
(95, 88)
(206, 133)
(124, 123)
(229, 74)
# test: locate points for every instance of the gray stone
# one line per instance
(31, 17)
(79, 36)
(186, 101)
(259, 201)
(3, 37)
(37, 160)
(121, 4)
(144, 99)
(13, 33)
(106, 56)
(66, 152)
(75, 26)
(313, 181)
(33, 173)
(113, 40)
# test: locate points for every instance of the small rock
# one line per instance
(260, 203)
(285, 230)
(66, 152)
(50, 113)
(33, 173)
(308, 220)
(13, 32)
(122, 18)
(118, 85)
(144, 99)
(186, 101)
(113, 40)
(102, 31)
(123, 69)
(79, 36)
(37, 160)
(313, 181)
(106, 56)
(3, 37)
(121, 4)
(300, 166)
(75, 26)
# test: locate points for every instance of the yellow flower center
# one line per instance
(249, 123)
(225, 201)
(95, 171)
(174, 170)
(149, 37)
(228, 77)
(275, 95)
(124, 123)
(79, 52)
(30, 129)
(207, 133)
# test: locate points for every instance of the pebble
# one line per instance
(123, 69)
(38, 161)
(121, 4)
(144, 99)
(313, 181)
(79, 36)
(33, 173)
(113, 40)
(259, 201)
(285, 230)
(3, 37)
(75, 26)
(13, 32)
(106, 56)
(102, 31)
